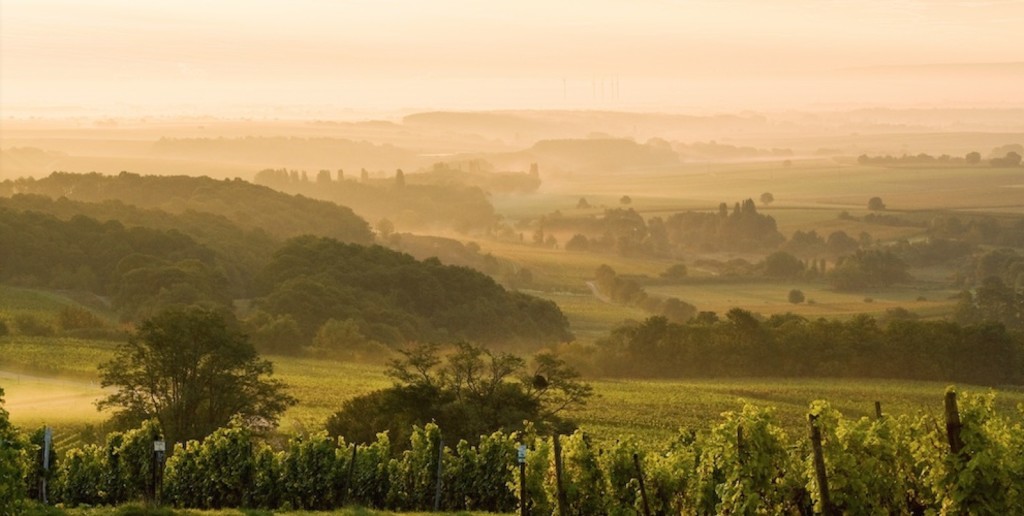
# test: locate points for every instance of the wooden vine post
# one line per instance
(953, 425)
(819, 467)
(521, 457)
(643, 490)
(440, 463)
(351, 473)
(559, 490)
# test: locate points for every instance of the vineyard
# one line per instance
(970, 461)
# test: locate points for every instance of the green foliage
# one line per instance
(394, 298)
(670, 478)
(142, 269)
(622, 490)
(240, 252)
(73, 317)
(13, 455)
(583, 480)
(119, 471)
(471, 392)
(311, 472)
(866, 467)
(866, 269)
(992, 301)
(985, 477)
(781, 264)
(789, 345)
(476, 478)
(745, 465)
(742, 229)
(192, 372)
(413, 475)
(215, 473)
(627, 233)
(39, 469)
(370, 479)
(81, 477)
(628, 291)
(795, 296)
(344, 340)
(33, 326)
(539, 472)
(135, 461)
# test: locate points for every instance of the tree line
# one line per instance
(1011, 158)
(741, 344)
(626, 232)
(400, 197)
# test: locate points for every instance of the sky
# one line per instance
(262, 57)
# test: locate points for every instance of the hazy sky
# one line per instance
(219, 56)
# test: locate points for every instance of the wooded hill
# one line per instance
(245, 204)
(145, 259)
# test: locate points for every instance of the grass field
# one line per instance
(644, 410)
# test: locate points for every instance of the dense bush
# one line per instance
(470, 391)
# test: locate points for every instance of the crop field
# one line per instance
(17, 301)
(806, 182)
(644, 410)
(556, 269)
(655, 410)
(590, 317)
(771, 298)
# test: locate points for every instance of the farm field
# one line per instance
(644, 410)
(770, 298)
(807, 183)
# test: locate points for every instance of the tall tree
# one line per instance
(193, 372)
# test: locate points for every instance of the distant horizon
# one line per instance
(311, 58)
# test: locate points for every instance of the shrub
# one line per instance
(796, 296)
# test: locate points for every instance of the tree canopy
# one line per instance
(245, 204)
(395, 299)
(192, 371)
(787, 345)
(469, 392)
